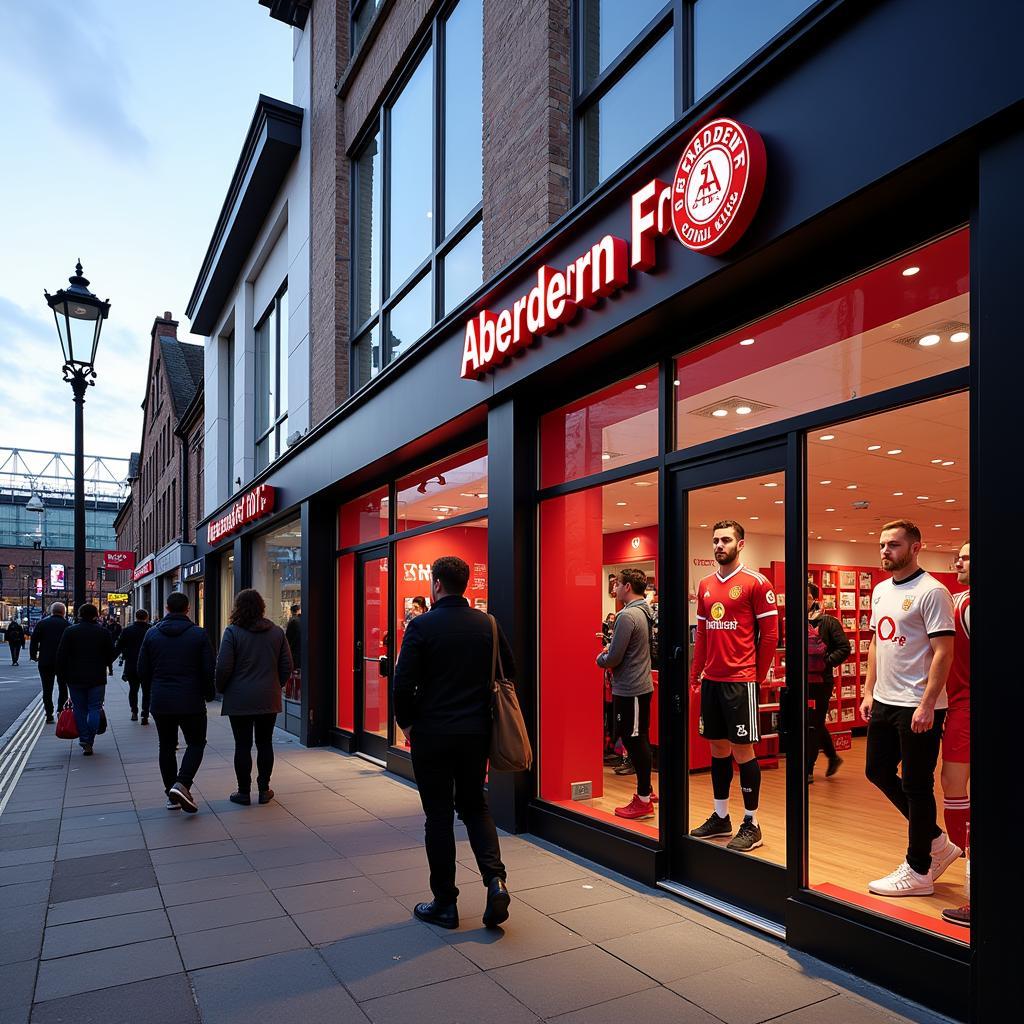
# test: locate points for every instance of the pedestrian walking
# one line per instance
(84, 655)
(43, 651)
(127, 644)
(15, 640)
(254, 663)
(176, 662)
(442, 698)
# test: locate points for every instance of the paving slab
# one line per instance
(475, 998)
(342, 892)
(619, 917)
(16, 984)
(21, 932)
(239, 942)
(572, 895)
(112, 905)
(166, 1000)
(176, 893)
(104, 933)
(23, 893)
(41, 871)
(323, 926)
(651, 1006)
(312, 871)
(195, 917)
(194, 868)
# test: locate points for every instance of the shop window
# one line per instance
(451, 487)
(364, 519)
(425, 144)
(603, 431)
(345, 709)
(910, 464)
(727, 32)
(226, 590)
(904, 321)
(586, 540)
(277, 575)
(271, 395)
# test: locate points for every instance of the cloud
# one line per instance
(67, 52)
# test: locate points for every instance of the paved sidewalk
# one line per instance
(115, 910)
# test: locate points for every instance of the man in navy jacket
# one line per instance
(128, 645)
(442, 699)
(43, 650)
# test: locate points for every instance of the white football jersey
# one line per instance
(904, 618)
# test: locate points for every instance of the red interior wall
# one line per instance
(618, 547)
(571, 684)
(346, 641)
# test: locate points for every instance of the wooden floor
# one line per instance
(855, 833)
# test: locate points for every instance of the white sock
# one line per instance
(722, 808)
(752, 815)
(646, 799)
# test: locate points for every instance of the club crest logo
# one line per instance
(736, 592)
(717, 611)
(907, 602)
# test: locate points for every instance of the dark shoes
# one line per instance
(49, 719)
(183, 798)
(435, 913)
(747, 838)
(498, 900)
(714, 828)
(145, 719)
(834, 764)
(135, 716)
(87, 750)
(266, 795)
(626, 768)
(238, 797)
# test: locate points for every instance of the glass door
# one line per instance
(729, 832)
(373, 653)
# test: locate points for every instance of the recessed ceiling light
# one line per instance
(935, 462)
(923, 497)
(755, 517)
(955, 529)
(949, 501)
(895, 451)
(948, 462)
(827, 437)
(743, 410)
(482, 494)
(703, 525)
(938, 526)
(853, 540)
(851, 487)
(928, 340)
(779, 501)
(770, 483)
(747, 342)
(959, 336)
(720, 413)
(741, 497)
(620, 503)
(839, 529)
(830, 510)
(897, 494)
(643, 483)
(911, 271)
(873, 447)
(819, 536)
(824, 483)
(627, 524)
(676, 383)
(605, 456)
(639, 387)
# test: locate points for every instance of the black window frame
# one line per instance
(279, 417)
(441, 244)
(358, 6)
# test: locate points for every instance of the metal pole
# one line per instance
(78, 386)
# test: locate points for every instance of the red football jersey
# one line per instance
(737, 627)
(958, 685)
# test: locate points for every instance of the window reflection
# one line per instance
(608, 28)
(410, 317)
(463, 268)
(463, 112)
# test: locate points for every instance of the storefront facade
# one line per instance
(846, 357)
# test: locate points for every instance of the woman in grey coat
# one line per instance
(253, 665)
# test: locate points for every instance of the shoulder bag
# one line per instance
(67, 729)
(510, 744)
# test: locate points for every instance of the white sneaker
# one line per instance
(944, 852)
(904, 881)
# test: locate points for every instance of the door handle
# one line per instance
(677, 653)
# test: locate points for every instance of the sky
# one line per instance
(123, 121)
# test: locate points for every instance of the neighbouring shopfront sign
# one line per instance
(194, 570)
(117, 598)
(56, 576)
(712, 199)
(118, 560)
(257, 503)
(142, 570)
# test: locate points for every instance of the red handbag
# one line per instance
(67, 729)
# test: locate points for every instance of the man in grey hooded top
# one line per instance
(629, 658)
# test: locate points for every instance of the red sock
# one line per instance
(957, 812)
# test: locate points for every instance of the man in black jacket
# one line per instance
(442, 699)
(128, 643)
(837, 650)
(43, 650)
(16, 640)
(84, 656)
(176, 659)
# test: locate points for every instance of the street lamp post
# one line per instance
(36, 505)
(79, 315)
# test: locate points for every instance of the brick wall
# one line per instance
(527, 84)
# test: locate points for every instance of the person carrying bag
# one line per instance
(510, 744)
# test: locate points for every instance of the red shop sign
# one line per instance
(257, 503)
(711, 201)
(118, 560)
(143, 570)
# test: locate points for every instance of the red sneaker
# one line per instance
(636, 808)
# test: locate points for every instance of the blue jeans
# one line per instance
(87, 701)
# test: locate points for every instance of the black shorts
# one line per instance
(632, 715)
(728, 711)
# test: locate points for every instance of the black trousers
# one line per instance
(891, 742)
(245, 728)
(134, 685)
(450, 773)
(193, 728)
(47, 675)
(16, 653)
(633, 727)
(820, 738)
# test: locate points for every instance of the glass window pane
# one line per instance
(727, 32)
(361, 22)
(376, 646)
(345, 708)
(261, 400)
(602, 431)
(586, 540)
(625, 119)
(367, 356)
(282, 360)
(227, 589)
(901, 322)
(463, 111)
(368, 259)
(910, 463)
(364, 519)
(410, 318)
(263, 457)
(412, 189)
(609, 26)
(450, 487)
(464, 268)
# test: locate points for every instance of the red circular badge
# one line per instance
(717, 186)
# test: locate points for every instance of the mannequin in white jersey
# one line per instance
(905, 703)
